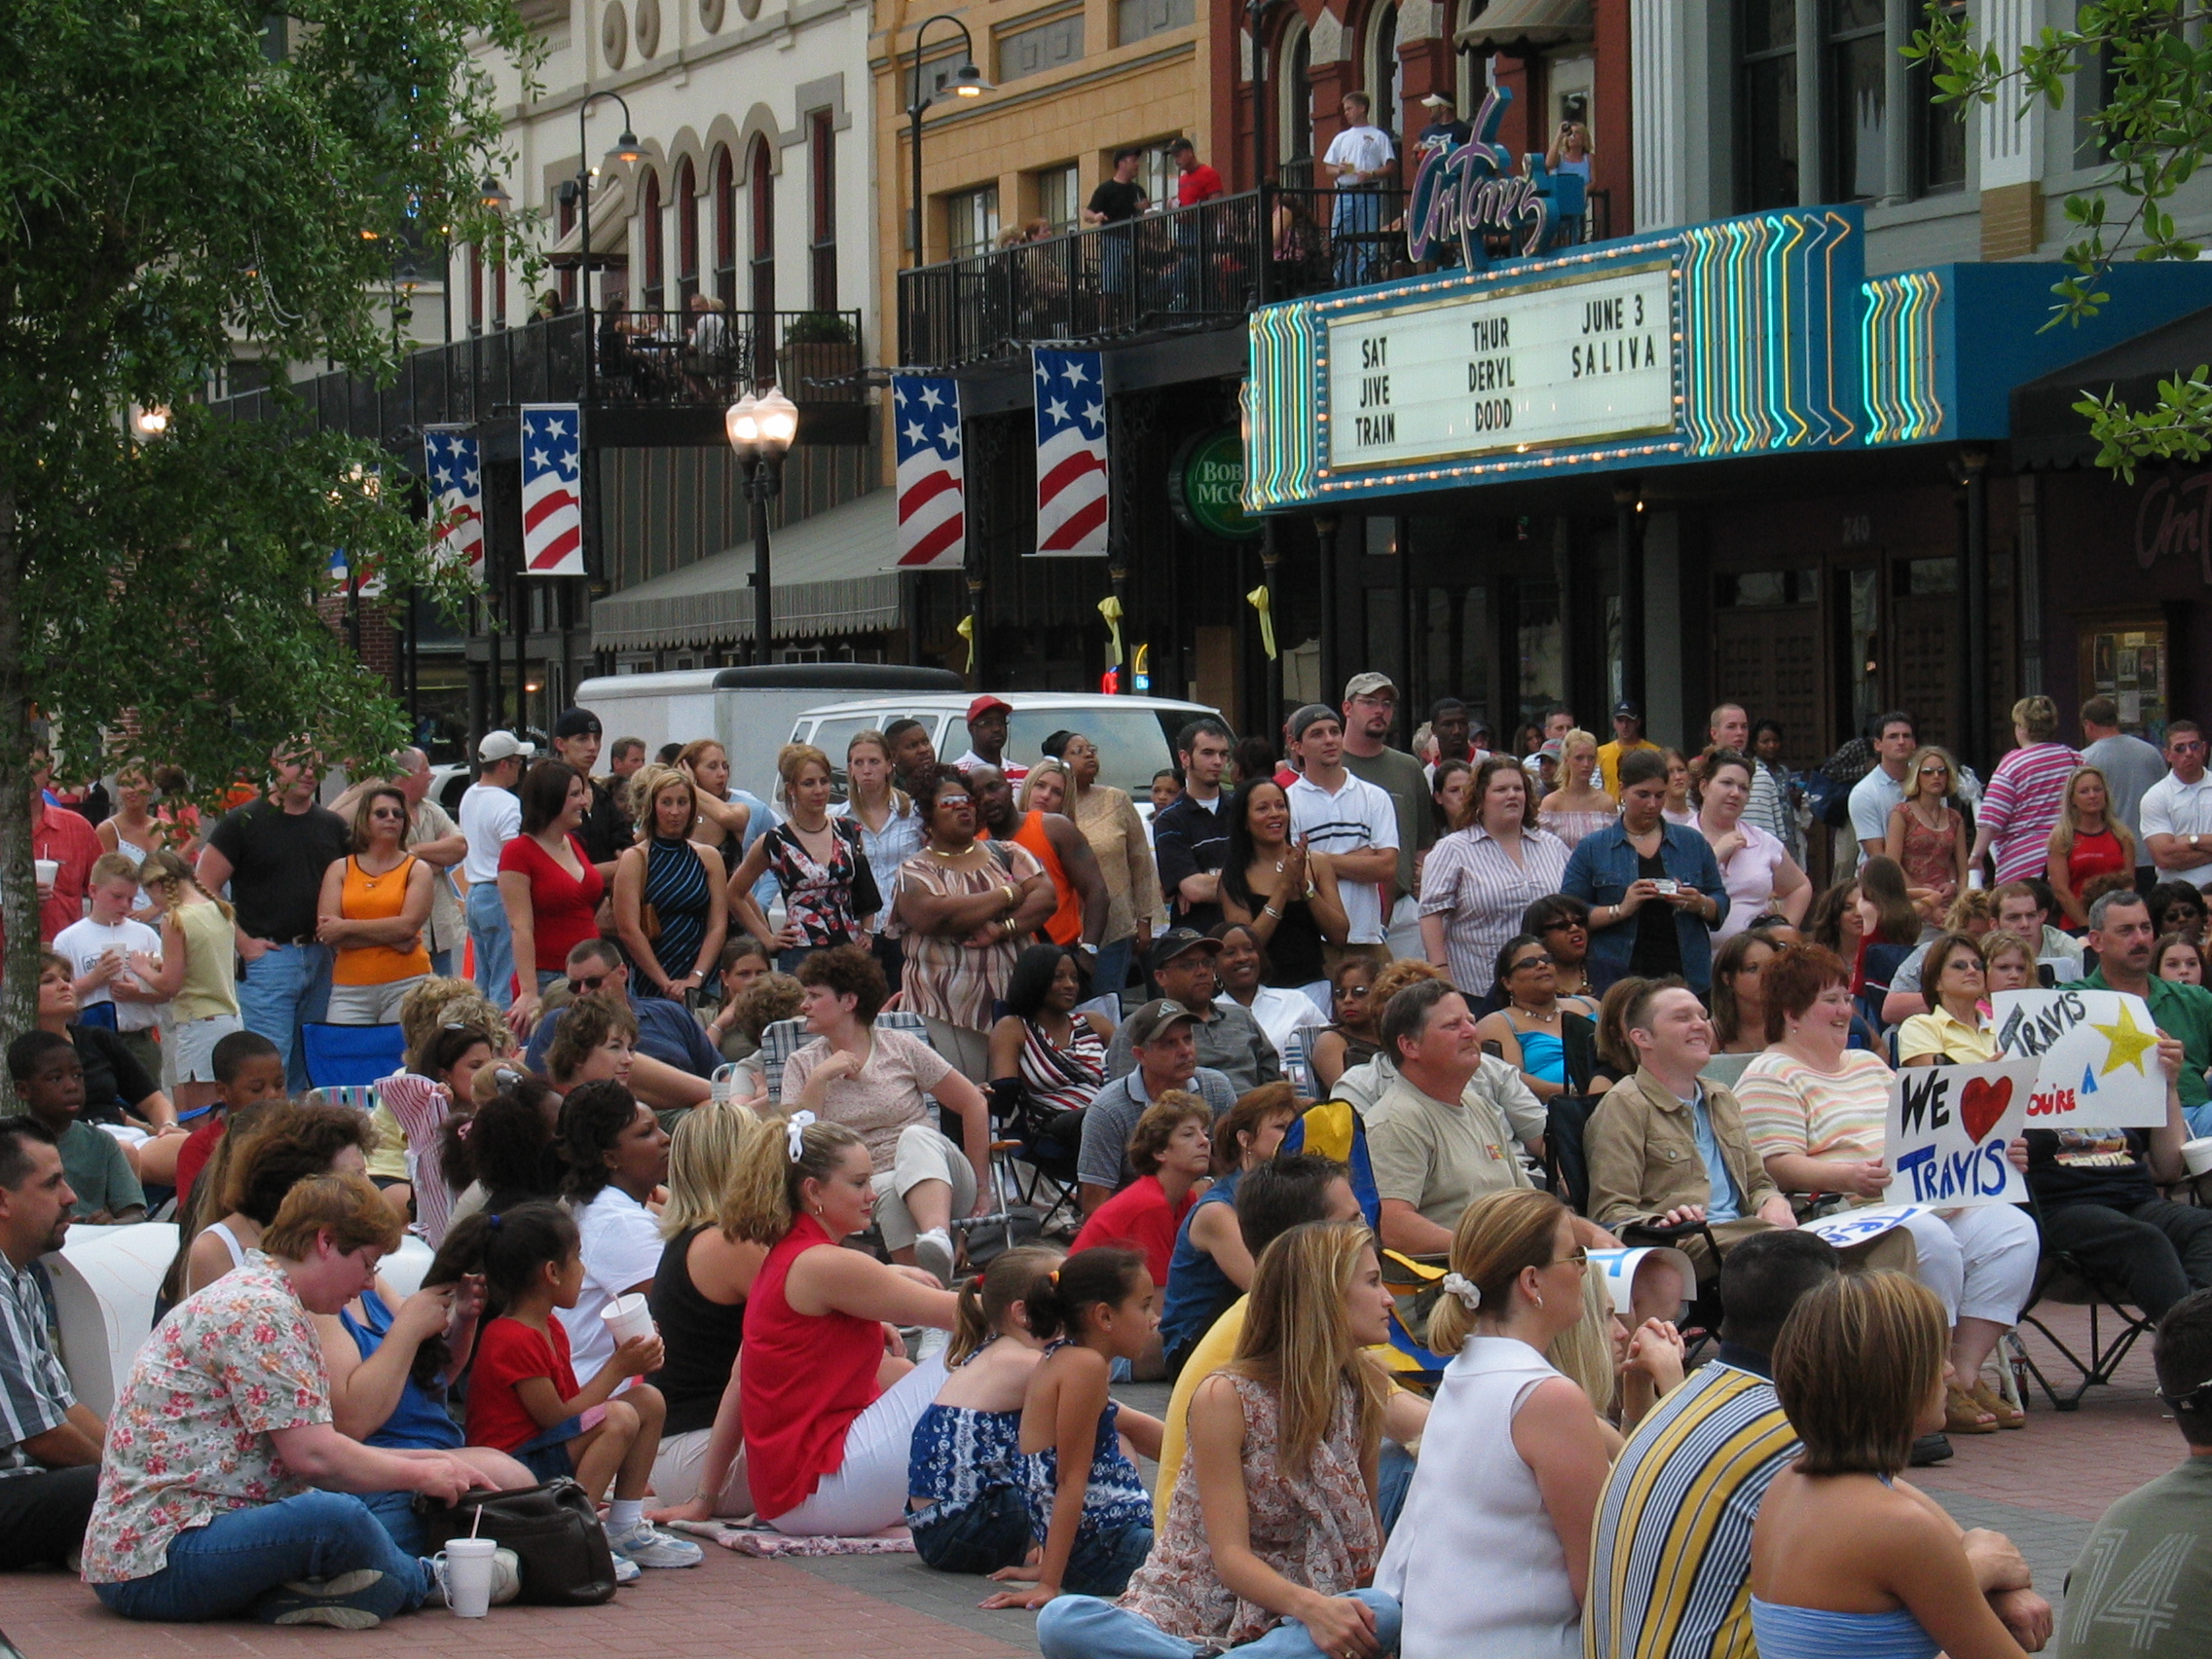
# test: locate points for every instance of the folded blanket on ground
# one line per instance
(769, 1544)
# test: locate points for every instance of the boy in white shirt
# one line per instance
(97, 949)
(1351, 820)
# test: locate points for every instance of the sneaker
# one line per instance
(933, 1254)
(347, 1601)
(647, 1545)
(506, 1578)
(625, 1569)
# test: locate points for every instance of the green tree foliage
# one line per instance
(2155, 128)
(177, 176)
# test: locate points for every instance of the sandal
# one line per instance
(2006, 1413)
(1964, 1414)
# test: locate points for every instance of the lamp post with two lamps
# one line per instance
(627, 151)
(761, 428)
(965, 82)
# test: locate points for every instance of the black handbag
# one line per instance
(553, 1529)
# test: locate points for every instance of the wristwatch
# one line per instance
(2192, 842)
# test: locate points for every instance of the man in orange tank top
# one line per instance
(1059, 846)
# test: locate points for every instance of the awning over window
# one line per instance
(610, 225)
(1522, 26)
(833, 574)
(2047, 431)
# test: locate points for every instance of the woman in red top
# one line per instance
(827, 1397)
(2087, 842)
(547, 884)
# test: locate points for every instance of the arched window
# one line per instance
(726, 226)
(762, 184)
(1386, 75)
(653, 291)
(687, 233)
(1294, 95)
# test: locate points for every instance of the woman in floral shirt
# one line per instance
(226, 1487)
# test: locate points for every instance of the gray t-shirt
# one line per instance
(1108, 1122)
(1405, 781)
(2131, 766)
(2142, 1588)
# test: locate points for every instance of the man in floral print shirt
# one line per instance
(225, 1488)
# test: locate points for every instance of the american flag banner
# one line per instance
(341, 575)
(552, 497)
(933, 489)
(1071, 452)
(452, 464)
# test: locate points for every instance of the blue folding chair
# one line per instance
(351, 1056)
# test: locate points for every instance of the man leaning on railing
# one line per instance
(1359, 162)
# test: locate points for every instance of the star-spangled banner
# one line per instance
(453, 465)
(552, 494)
(933, 492)
(1071, 452)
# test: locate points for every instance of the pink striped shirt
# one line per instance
(1480, 891)
(2019, 807)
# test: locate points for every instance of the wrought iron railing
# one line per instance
(676, 357)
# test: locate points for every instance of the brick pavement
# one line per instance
(2044, 1487)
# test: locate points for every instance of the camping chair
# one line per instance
(2062, 1277)
(351, 1057)
(1298, 1062)
(786, 1037)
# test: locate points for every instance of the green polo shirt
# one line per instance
(2180, 1010)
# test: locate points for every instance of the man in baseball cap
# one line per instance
(1227, 1039)
(499, 746)
(1371, 709)
(1445, 131)
(1628, 737)
(1159, 1048)
(1357, 823)
(606, 829)
(490, 818)
(986, 739)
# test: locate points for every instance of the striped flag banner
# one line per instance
(453, 463)
(1071, 452)
(552, 500)
(933, 489)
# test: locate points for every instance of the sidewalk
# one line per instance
(2042, 1485)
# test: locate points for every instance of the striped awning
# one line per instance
(1517, 27)
(833, 574)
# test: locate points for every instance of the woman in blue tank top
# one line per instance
(1848, 1562)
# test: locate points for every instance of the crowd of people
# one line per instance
(666, 1040)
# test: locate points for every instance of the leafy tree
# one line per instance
(2155, 128)
(177, 176)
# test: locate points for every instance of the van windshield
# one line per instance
(1132, 743)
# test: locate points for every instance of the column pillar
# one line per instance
(1812, 152)
(1973, 586)
(1628, 542)
(2009, 151)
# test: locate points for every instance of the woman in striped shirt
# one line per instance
(1480, 878)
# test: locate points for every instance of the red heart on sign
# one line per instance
(1981, 1103)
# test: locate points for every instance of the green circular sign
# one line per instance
(1208, 486)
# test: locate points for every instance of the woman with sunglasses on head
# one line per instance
(1555, 1048)
(1757, 869)
(670, 912)
(373, 904)
(1351, 1039)
(1926, 835)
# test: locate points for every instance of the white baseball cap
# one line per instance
(502, 746)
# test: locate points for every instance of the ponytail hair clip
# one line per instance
(1470, 1293)
(795, 1134)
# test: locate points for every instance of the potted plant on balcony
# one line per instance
(818, 346)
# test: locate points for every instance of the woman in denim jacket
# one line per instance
(1638, 875)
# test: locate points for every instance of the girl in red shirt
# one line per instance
(2087, 842)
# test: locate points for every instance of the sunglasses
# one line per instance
(583, 987)
(1935, 771)
(1542, 959)
(1578, 1257)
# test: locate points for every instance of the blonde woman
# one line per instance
(1578, 807)
(722, 822)
(890, 826)
(1109, 822)
(698, 1300)
(1624, 1375)
(1271, 1528)
(830, 892)
(2087, 842)
(671, 912)
(1926, 835)
(1513, 1460)
(1044, 789)
(195, 975)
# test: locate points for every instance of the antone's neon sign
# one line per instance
(1465, 195)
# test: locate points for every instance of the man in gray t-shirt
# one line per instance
(1161, 1034)
(2130, 764)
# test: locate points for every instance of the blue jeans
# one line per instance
(395, 1514)
(1083, 1627)
(493, 942)
(1356, 224)
(221, 1569)
(1100, 1564)
(1112, 970)
(988, 1534)
(287, 987)
(2198, 1119)
(441, 964)
(1395, 1475)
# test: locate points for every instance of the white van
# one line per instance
(1135, 735)
(746, 710)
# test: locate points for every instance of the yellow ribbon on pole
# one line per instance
(1110, 607)
(967, 630)
(1259, 600)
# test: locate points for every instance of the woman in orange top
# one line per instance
(1043, 794)
(372, 911)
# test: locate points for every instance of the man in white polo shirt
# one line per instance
(2177, 810)
(491, 816)
(1351, 821)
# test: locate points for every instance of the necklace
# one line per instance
(940, 853)
(1528, 1012)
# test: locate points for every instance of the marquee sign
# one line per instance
(1466, 192)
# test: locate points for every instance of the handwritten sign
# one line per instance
(1849, 1226)
(2096, 1054)
(1948, 1129)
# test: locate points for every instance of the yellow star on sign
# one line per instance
(2128, 1041)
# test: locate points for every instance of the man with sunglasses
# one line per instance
(666, 1030)
(2177, 810)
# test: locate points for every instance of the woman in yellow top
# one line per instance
(194, 974)
(1953, 1033)
(373, 908)
(1109, 822)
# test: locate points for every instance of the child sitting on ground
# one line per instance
(524, 1399)
(249, 1070)
(966, 1508)
(1086, 1503)
(50, 1082)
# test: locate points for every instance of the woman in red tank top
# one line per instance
(2087, 842)
(828, 1400)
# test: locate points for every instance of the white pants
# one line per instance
(370, 1005)
(867, 1492)
(1981, 1262)
(923, 1155)
(677, 1470)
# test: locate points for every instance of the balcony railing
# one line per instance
(1165, 271)
(634, 359)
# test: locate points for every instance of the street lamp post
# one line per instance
(626, 150)
(965, 82)
(760, 430)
